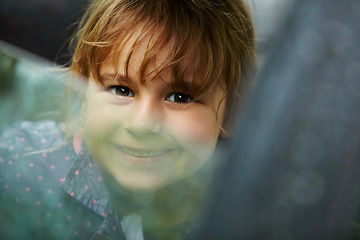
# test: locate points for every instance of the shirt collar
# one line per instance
(84, 182)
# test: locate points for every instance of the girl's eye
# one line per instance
(122, 91)
(180, 98)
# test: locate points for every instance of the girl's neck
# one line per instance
(171, 206)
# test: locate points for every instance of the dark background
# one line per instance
(43, 27)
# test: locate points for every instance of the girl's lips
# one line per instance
(145, 157)
(143, 153)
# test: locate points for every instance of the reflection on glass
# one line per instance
(124, 151)
(149, 178)
(31, 89)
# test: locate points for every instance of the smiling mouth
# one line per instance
(143, 153)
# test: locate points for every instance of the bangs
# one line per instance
(192, 59)
(209, 43)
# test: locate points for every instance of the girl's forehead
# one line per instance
(148, 56)
(138, 51)
(117, 74)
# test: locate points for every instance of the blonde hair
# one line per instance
(212, 39)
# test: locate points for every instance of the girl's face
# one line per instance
(148, 135)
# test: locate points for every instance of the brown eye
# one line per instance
(122, 91)
(180, 98)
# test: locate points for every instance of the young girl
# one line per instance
(165, 80)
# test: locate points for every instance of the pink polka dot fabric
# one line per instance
(47, 191)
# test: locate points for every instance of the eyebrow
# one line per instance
(183, 86)
(119, 78)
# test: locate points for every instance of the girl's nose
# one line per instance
(146, 118)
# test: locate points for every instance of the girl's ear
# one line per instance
(83, 110)
(228, 125)
(224, 133)
(224, 123)
(84, 94)
(224, 130)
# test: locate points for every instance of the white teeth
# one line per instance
(143, 154)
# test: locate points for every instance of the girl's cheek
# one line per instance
(197, 131)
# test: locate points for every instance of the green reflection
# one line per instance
(29, 89)
(32, 90)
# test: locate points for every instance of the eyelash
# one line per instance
(182, 97)
(176, 97)
(126, 92)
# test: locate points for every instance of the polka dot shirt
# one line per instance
(48, 191)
